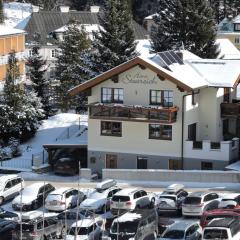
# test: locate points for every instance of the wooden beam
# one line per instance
(115, 79)
(141, 66)
(180, 89)
(161, 77)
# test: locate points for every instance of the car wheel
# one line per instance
(1, 200)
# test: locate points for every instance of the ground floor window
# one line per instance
(111, 161)
(206, 166)
(158, 131)
(174, 164)
(142, 163)
(111, 129)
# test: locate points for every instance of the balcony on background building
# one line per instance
(230, 109)
(135, 113)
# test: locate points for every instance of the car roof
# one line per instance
(127, 191)
(222, 222)
(36, 185)
(4, 178)
(181, 225)
(61, 190)
(86, 222)
(222, 212)
(198, 194)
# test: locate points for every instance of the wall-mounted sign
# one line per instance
(138, 78)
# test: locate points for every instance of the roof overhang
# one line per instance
(64, 146)
(237, 81)
(124, 67)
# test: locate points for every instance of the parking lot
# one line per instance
(104, 205)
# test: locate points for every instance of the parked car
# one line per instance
(10, 186)
(195, 204)
(66, 165)
(68, 217)
(223, 228)
(164, 223)
(36, 227)
(129, 199)
(99, 200)
(217, 213)
(183, 230)
(8, 215)
(230, 201)
(135, 225)
(32, 197)
(63, 198)
(88, 229)
(172, 198)
(7, 229)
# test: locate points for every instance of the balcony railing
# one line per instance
(133, 113)
(230, 109)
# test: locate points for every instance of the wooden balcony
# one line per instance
(133, 113)
(230, 110)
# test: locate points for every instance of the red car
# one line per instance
(217, 213)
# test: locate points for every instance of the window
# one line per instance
(161, 97)
(237, 27)
(111, 161)
(157, 131)
(30, 53)
(112, 95)
(53, 53)
(237, 40)
(142, 163)
(206, 166)
(111, 129)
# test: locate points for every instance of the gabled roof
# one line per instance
(43, 23)
(6, 30)
(164, 73)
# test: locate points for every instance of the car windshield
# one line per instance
(174, 234)
(192, 200)
(54, 197)
(168, 197)
(80, 230)
(26, 227)
(215, 234)
(120, 198)
(124, 227)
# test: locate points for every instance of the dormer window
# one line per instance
(237, 27)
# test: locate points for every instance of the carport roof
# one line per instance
(64, 146)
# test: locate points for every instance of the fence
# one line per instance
(39, 159)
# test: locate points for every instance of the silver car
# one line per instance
(183, 230)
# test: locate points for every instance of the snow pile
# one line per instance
(15, 12)
(7, 30)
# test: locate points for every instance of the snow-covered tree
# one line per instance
(185, 23)
(115, 43)
(1, 12)
(20, 110)
(37, 69)
(70, 65)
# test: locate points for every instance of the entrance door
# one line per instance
(192, 132)
(174, 164)
(142, 163)
(111, 161)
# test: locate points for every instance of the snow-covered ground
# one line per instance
(54, 130)
(16, 12)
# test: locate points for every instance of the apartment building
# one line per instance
(11, 39)
(163, 112)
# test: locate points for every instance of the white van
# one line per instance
(10, 186)
(135, 225)
(222, 229)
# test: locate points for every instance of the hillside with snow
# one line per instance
(15, 12)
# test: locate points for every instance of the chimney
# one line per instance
(35, 8)
(64, 9)
(94, 9)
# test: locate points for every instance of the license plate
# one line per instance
(120, 205)
(53, 203)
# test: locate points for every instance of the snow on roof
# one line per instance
(7, 177)
(143, 47)
(36, 186)
(22, 24)
(234, 166)
(89, 28)
(128, 217)
(6, 30)
(236, 19)
(126, 191)
(60, 190)
(86, 222)
(227, 49)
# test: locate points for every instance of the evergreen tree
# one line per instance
(70, 63)
(20, 111)
(36, 68)
(1, 12)
(114, 44)
(187, 23)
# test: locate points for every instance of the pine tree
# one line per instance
(37, 69)
(20, 111)
(114, 44)
(1, 12)
(70, 63)
(187, 23)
